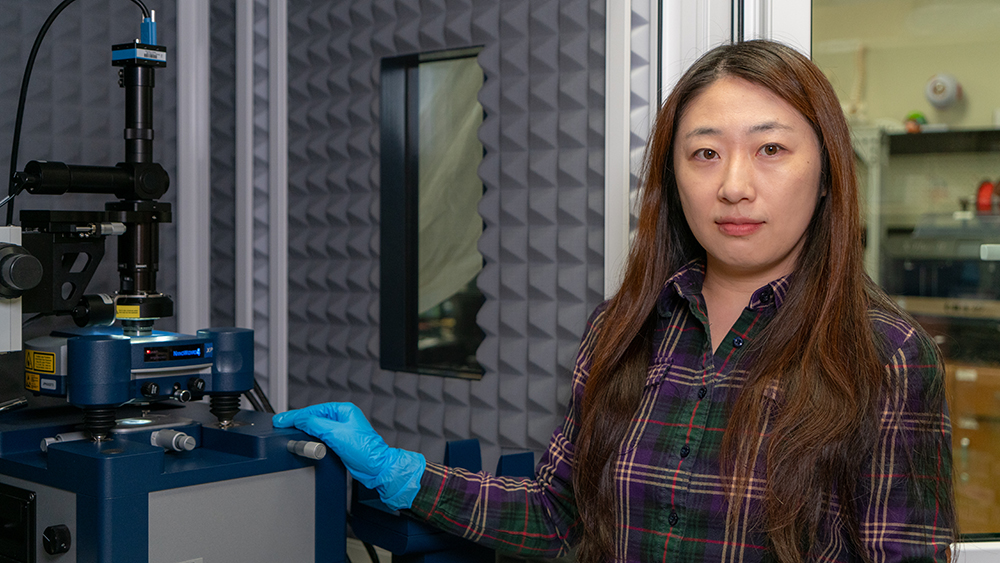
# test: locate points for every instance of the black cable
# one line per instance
(21, 99)
(33, 319)
(252, 400)
(262, 397)
(372, 554)
(145, 12)
(13, 190)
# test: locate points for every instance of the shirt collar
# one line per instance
(686, 283)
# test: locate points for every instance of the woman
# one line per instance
(748, 394)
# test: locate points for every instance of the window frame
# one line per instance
(399, 221)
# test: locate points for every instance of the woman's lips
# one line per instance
(738, 227)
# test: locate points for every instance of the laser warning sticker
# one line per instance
(31, 381)
(127, 311)
(42, 362)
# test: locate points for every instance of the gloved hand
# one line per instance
(393, 472)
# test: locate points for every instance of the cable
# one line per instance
(372, 554)
(4, 201)
(33, 319)
(369, 548)
(263, 398)
(12, 190)
(253, 401)
(145, 12)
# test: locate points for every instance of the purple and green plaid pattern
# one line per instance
(671, 500)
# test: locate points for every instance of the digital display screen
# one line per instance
(171, 353)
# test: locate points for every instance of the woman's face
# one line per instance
(747, 166)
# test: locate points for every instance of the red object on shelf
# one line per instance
(984, 197)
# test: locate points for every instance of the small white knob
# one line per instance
(172, 440)
(989, 252)
(311, 450)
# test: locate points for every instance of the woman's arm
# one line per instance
(532, 517)
(907, 512)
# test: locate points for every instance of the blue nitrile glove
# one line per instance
(393, 472)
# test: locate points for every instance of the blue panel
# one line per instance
(331, 512)
(516, 465)
(464, 454)
(101, 369)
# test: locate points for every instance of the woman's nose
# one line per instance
(737, 181)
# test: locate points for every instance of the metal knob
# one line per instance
(64, 437)
(311, 450)
(182, 395)
(172, 440)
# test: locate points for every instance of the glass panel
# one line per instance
(917, 81)
(449, 223)
(430, 224)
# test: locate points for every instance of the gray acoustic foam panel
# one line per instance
(542, 208)
(75, 110)
(223, 174)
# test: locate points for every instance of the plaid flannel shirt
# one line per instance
(671, 505)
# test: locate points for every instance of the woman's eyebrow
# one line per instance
(700, 131)
(758, 128)
(769, 126)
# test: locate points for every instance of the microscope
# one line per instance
(135, 467)
(96, 367)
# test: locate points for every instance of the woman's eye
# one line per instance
(770, 150)
(707, 154)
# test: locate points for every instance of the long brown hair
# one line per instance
(822, 350)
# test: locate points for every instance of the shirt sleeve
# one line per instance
(906, 511)
(530, 517)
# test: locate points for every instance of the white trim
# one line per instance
(243, 284)
(690, 29)
(656, 95)
(10, 309)
(787, 21)
(978, 552)
(278, 204)
(193, 166)
(617, 120)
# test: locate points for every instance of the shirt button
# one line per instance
(702, 392)
(766, 295)
(685, 451)
(673, 518)
(737, 342)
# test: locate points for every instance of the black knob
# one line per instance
(56, 539)
(182, 395)
(19, 271)
(150, 389)
(196, 384)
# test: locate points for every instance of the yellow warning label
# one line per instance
(32, 381)
(127, 311)
(44, 362)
